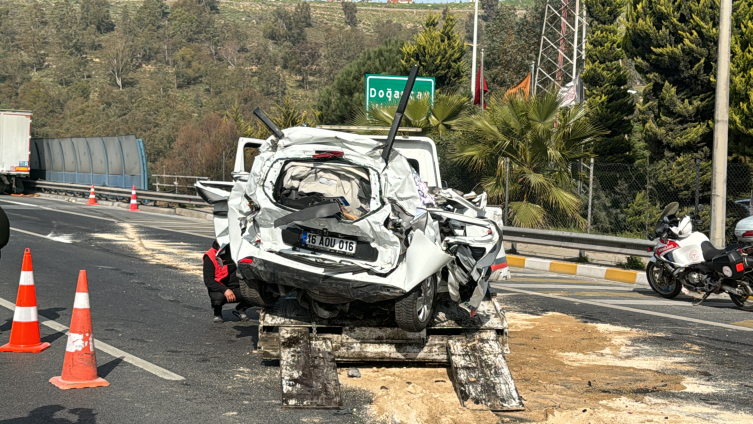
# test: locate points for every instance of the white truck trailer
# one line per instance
(15, 139)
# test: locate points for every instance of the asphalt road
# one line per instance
(148, 301)
(723, 332)
(150, 310)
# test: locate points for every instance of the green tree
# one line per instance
(350, 11)
(72, 42)
(337, 103)
(438, 52)
(435, 120)
(96, 13)
(302, 14)
(303, 59)
(541, 140)
(490, 8)
(512, 43)
(741, 82)
(32, 34)
(151, 18)
(284, 26)
(609, 102)
(674, 46)
(340, 47)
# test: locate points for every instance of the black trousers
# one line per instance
(218, 299)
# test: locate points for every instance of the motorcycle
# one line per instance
(684, 258)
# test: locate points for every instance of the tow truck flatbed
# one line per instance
(309, 349)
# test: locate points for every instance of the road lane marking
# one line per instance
(108, 349)
(626, 308)
(597, 293)
(61, 239)
(566, 286)
(108, 219)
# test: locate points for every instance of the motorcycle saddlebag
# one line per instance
(730, 265)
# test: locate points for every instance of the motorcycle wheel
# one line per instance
(670, 291)
(744, 302)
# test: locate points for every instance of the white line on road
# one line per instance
(110, 350)
(60, 239)
(625, 308)
(565, 286)
(109, 219)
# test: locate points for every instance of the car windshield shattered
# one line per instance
(322, 213)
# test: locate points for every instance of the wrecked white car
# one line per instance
(325, 214)
(321, 213)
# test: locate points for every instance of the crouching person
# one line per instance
(222, 283)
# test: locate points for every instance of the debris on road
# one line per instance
(354, 373)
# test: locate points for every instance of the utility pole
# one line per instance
(475, 42)
(481, 83)
(721, 125)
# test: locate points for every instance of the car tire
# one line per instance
(255, 293)
(414, 310)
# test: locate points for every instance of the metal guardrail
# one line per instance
(118, 192)
(580, 241)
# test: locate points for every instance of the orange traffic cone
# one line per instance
(134, 205)
(92, 197)
(24, 335)
(80, 363)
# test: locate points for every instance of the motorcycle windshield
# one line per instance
(669, 210)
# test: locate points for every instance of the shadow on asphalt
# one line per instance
(718, 303)
(46, 414)
(248, 331)
(51, 313)
(105, 369)
(52, 337)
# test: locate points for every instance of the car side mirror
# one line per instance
(445, 186)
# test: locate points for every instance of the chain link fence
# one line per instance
(627, 199)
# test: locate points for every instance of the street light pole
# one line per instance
(475, 42)
(721, 124)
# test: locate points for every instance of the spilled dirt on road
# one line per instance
(155, 251)
(567, 371)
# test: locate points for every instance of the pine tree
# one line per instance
(336, 104)
(96, 13)
(609, 103)
(674, 46)
(741, 81)
(512, 43)
(438, 52)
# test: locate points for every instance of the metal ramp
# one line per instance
(308, 349)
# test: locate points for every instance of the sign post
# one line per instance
(383, 90)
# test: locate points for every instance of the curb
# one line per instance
(593, 271)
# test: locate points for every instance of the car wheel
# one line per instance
(255, 293)
(414, 310)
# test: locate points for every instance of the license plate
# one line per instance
(331, 244)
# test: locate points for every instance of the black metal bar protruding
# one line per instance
(399, 114)
(268, 122)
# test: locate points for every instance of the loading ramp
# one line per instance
(309, 349)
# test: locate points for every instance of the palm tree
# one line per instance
(541, 140)
(419, 113)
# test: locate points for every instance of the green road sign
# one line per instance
(386, 89)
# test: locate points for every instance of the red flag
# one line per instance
(481, 77)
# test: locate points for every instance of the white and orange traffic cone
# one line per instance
(134, 204)
(80, 363)
(24, 335)
(92, 198)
